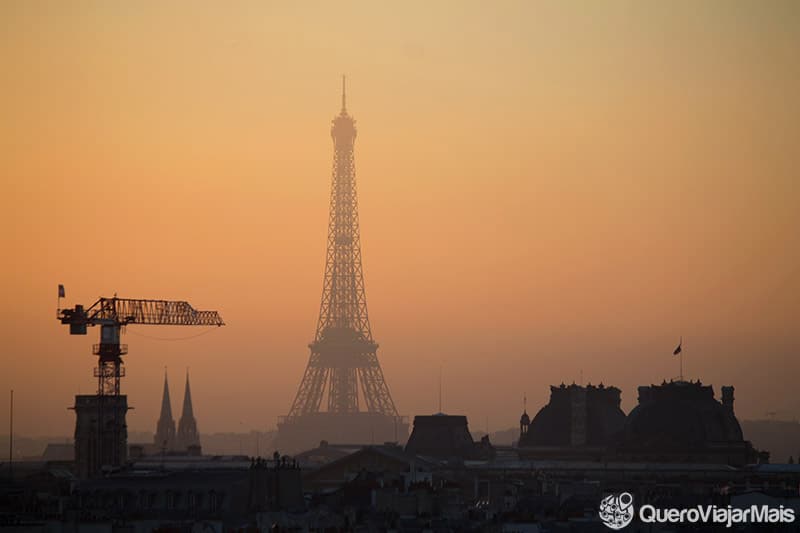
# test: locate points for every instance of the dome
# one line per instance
(595, 410)
(681, 416)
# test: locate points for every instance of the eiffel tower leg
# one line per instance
(376, 391)
(309, 395)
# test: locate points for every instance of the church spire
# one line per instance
(166, 407)
(188, 412)
(187, 426)
(165, 428)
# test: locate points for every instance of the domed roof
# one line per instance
(553, 424)
(679, 415)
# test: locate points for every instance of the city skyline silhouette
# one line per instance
(535, 209)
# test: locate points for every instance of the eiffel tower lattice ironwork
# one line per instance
(343, 370)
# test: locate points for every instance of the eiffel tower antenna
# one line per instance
(343, 376)
(344, 96)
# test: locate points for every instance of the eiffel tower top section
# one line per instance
(343, 128)
(343, 309)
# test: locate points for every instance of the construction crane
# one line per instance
(113, 314)
(101, 433)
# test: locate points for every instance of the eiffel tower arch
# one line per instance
(343, 396)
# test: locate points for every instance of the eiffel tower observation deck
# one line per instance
(343, 396)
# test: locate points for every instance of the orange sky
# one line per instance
(545, 188)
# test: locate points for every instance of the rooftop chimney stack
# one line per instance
(727, 397)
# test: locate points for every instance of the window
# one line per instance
(193, 501)
(212, 501)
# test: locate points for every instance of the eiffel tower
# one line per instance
(343, 396)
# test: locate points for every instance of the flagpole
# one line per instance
(61, 294)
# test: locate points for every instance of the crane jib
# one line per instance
(111, 314)
(125, 311)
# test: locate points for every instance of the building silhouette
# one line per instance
(577, 422)
(680, 421)
(675, 422)
(204, 492)
(343, 396)
(101, 434)
(446, 437)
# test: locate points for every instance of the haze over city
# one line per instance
(547, 194)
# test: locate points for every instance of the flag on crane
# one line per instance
(60, 291)
(678, 349)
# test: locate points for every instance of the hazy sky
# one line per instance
(546, 188)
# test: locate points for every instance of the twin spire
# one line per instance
(166, 404)
(188, 412)
(166, 437)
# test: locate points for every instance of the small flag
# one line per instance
(678, 349)
(60, 291)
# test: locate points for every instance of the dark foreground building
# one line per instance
(225, 490)
(678, 421)
(377, 488)
(212, 493)
(101, 434)
(446, 437)
(389, 488)
(681, 421)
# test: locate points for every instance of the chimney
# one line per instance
(727, 398)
